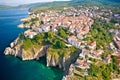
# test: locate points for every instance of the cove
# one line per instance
(12, 68)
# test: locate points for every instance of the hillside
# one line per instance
(97, 2)
(60, 4)
(5, 7)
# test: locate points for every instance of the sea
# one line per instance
(12, 68)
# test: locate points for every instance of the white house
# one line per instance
(74, 41)
(46, 28)
(79, 36)
(30, 34)
(84, 52)
(118, 36)
(97, 53)
(83, 64)
(92, 45)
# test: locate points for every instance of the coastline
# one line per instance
(13, 68)
(67, 41)
(17, 52)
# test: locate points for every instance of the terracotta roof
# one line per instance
(81, 62)
(108, 56)
(93, 43)
(118, 57)
(85, 50)
(97, 52)
(74, 39)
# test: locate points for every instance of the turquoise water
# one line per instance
(12, 68)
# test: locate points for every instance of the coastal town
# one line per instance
(78, 23)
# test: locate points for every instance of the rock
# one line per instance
(7, 51)
(21, 26)
(34, 54)
(41, 52)
(48, 60)
(52, 60)
(61, 62)
(12, 45)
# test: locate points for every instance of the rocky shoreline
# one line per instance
(16, 50)
(68, 40)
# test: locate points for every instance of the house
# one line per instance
(79, 36)
(112, 46)
(92, 45)
(74, 41)
(108, 58)
(84, 53)
(97, 53)
(118, 58)
(83, 64)
(117, 42)
(30, 34)
(117, 24)
(46, 28)
(36, 29)
(72, 28)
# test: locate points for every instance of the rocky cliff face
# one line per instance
(16, 49)
(62, 62)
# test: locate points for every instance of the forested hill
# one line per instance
(113, 3)
(5, 7)
(97, 2)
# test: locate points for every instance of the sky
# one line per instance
(18, 2)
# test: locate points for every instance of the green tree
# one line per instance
(62, 33)
(114, 63)
(49, 34)
(106, 73)
(27, 43)
(59, 44)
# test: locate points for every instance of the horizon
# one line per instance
(22, 2)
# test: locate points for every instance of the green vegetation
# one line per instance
(100, 72)
(99, 33)
(103, 71)
(60, 4)
(27, 43)
(113, 3)
(33, 43)
(114, 64)
(31, 21)
(58, 47)
(63, 33)
(55, 41)
(50, 6)
(59, 44)
(26, 22)
(64, 52)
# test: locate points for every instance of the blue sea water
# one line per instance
(12, 68)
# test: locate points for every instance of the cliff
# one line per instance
(62, 58)
(16, 49)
